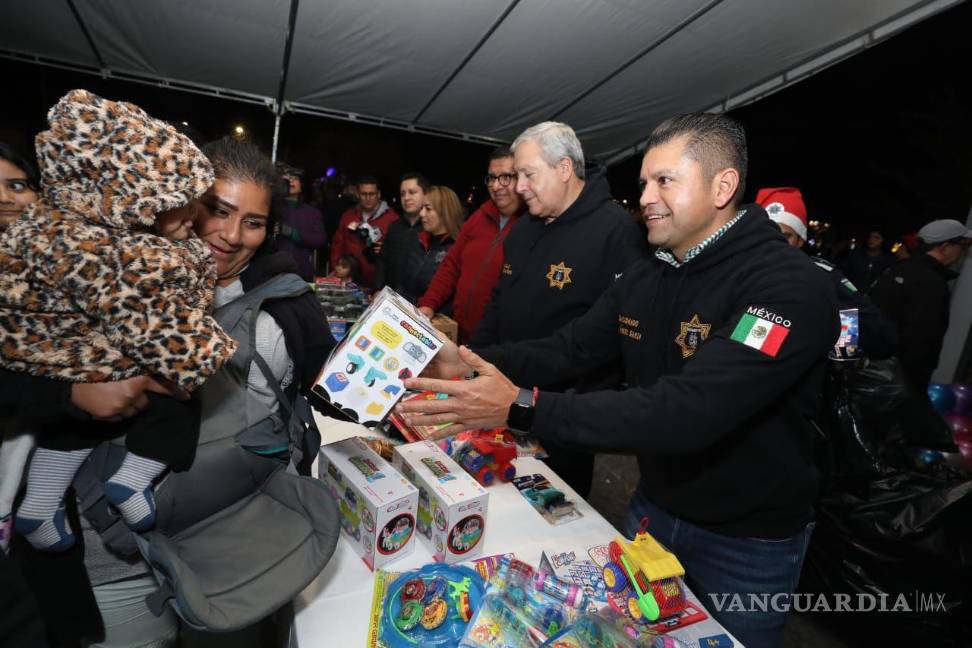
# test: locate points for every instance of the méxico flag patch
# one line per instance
(762, 330)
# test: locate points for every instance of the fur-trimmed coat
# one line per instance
(88, 291)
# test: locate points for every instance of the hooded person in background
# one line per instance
(785, 207)
(301, 225)
(865, 264)
(914, 295)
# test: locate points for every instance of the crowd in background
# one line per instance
(549, 253)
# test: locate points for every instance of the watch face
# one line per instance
(520, 418)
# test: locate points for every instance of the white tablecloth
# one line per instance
(334, 609)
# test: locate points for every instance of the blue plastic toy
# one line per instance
(429, 606)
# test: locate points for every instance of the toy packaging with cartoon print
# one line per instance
(391, 341)
(378, 506)
(451, 504)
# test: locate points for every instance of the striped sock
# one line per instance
(130, 490)
(41, 517)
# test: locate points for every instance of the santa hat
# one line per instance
(785, 205)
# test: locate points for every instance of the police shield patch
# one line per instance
(691, 335)
(559, 275)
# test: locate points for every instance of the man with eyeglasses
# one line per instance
(914, 295)
(575, 244)
(468, 274)
(362, 228)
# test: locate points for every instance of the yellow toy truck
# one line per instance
(647, 574)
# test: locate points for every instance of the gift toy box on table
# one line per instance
(391, 341)
(378, 505)
(343, 303)
(451, 504)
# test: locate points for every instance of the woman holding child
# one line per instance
(134, 231)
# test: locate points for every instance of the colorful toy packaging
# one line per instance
(643, 581)
(343, 302)
(378, 505)
(523, 608)
(607, 630)
(577, 566)
(486, 454)
(525, 446)
(425, 607)
(451, 504)
(551, 503)
(847, 346)
(417, 432)
(391, 341)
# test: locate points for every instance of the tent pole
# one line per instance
(276, 136)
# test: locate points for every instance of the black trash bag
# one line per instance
(872, 418)
(904, 533)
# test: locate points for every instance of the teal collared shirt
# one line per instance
(669, 258)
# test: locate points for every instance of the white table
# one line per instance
(334, 609)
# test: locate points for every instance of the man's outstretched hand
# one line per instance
(447, 363)
(482, 402)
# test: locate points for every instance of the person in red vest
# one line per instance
(362, 228)
(469, 272)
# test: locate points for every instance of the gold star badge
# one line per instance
(559, 275)
(691, 335)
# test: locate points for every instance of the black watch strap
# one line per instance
(519, 420)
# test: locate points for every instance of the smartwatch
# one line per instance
(519, 420)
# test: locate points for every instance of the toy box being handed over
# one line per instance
(391, 341)
(377, 504)
(451, 505)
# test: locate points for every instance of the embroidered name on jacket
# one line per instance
(626, 326)
(762, 330)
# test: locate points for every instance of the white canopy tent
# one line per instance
(475, 70)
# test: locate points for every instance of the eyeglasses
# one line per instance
(504, 179)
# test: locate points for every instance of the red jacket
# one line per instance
(348, 242)
(470, 270)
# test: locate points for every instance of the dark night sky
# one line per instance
(881, 140)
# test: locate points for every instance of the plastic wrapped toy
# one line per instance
(607, 630)
(523, 608)
(429, 606)
(487, 455)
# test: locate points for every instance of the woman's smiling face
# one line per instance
(15, 193)
(232, 221)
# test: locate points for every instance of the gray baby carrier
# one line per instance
(240, 533)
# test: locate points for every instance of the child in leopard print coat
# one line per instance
(91, 290)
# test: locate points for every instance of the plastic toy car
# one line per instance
(488, 455)
(549, 499)
(648, 573)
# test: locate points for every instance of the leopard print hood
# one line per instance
(88, 292)
(111, 163)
